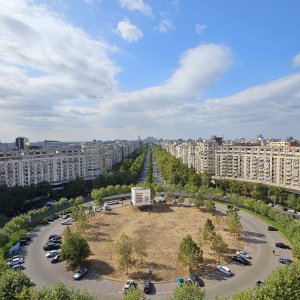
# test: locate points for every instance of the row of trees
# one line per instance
(175, 172)
(150, 177)
(14, 199)
(258, 191)
(126, 173)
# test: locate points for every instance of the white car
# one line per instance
(52, 253)
(128, 285)
(243, 254)
(70, 220)
(15, 257)
(80, 273)
(15, 261)
(66, 223)
(224, 270)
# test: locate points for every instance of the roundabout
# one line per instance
(258, 241)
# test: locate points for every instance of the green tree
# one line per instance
(4, 237)
(293, 202)
(234, 225)
(199, 200)
(12, 283)
(206, 179)
(134, 294)
(61, 292)
(140, 247)
(296, 248)
(208, 231)
(209, 206)
(218, 245)
(188, 292)
(124, 250)
(74, 249)
(189, 253)
(3, 264)
(78, 201)
(97, 196)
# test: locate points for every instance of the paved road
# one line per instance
(259, 242)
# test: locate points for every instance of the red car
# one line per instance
(44, 222)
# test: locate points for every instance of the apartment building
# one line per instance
(58, 166)
(271, 165)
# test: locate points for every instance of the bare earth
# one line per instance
(163, 229)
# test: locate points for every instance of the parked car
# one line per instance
(147, 286)
(66, 223)
(128, 285)
(70, 220)
(180, 281)
(52, 253)
(259, 283)
(271, 228)
(225, 270)
(241, 260)
(197, 280)
(51, 246)
(282, 245)
(243, 254)
(188, 280)
(55, 240)
(23, 242)
(51, 236)
(15, 261)
(44, 222)
(55, 259)
(18, 267)
(14, 257)
(285, 261)
(80, 273)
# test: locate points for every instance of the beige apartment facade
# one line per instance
(58, 166)
(278, 166)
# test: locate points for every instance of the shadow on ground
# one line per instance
(99, 267)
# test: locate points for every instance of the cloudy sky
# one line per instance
(111, 69)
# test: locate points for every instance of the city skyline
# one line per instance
(89, 69)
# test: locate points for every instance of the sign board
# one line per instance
(140, 196)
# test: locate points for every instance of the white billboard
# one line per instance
(140, 196)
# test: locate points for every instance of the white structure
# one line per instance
(140, 196)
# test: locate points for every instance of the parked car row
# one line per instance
(194, 279)
(16, 262)
(129, 284)
(53, 242)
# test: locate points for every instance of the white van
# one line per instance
(224, 270)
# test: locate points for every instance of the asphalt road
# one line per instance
(259, 242)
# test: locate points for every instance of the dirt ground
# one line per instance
(163, 228)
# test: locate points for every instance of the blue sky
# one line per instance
(109, 69)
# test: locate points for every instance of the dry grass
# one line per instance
(163, 228)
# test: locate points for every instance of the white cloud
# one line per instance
(46, 62)
(138, 5)
(165, 25)
(128, 31)
(296, 60)
(200, 28)
(57, 82)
